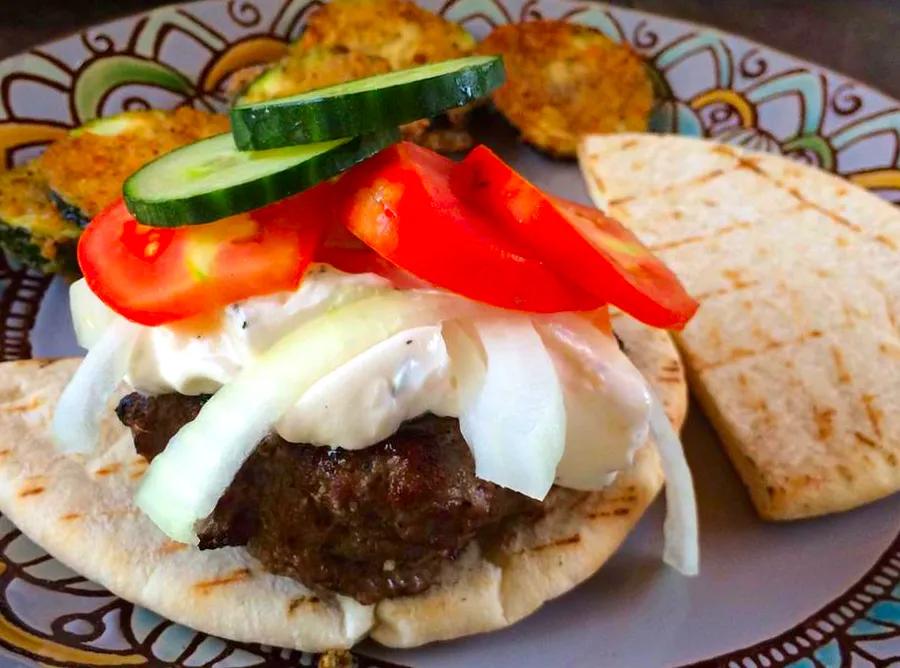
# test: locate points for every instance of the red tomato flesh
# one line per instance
(589, 249)
(400, 204)
(154, 275)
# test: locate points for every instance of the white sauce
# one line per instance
(607, 402)
(424, 370)
(368, 398)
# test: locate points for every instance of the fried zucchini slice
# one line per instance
(32, 231)
(565, 80)
(85, 171)
(397, 30)
(304, 70)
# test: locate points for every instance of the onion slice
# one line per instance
(76, 421)
(516, 423)
(90, 316)
(184, 483)
(682, 550)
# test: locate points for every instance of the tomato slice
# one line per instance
(401, 205)
(592, 250)
(154, 275)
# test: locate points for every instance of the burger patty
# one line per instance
(372, 524)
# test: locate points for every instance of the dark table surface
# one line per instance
(858, 37)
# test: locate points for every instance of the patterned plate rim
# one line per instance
(830, 636)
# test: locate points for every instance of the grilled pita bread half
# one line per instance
(81, 512)
(795, 351)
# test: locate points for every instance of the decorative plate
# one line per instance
(821, 593)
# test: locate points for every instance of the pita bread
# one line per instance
(795, 351)
(81, 512)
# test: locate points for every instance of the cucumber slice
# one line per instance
(210, 179)
(364, 105)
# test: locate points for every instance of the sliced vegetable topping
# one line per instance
(400, 204)
(365, 105)
(682, 550)
(185, 482)
(90, 316)
(515, 423)
(76, 421)
(155, 275)
(590, 249)
(211, 179)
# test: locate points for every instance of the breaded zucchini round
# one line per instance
(85, 171)
(398, 30)
(303, 70)
(31, 229)
(565, 80)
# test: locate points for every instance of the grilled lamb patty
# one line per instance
(372, 523)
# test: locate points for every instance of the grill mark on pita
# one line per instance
(629, 143)
(68, 517)
(840, 220)
(31, 491)
(721, 292)
(171, 546)
(744, 353)
(239, 575)
(824, 419)
(5, 452)
(889, 348)
(750, 163)
(879, 238)
(723, 149)
(138, 467)
(615, 512)
(862, 438)
(843, 375)
(299, 601)
(624, 498)
(762, 334)
(108, 469)
(873, 413)
(704, 178)
(570, 540)
(24, 406)
(738, 282)
(697, 180)
(700, 238)
(671, 366)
